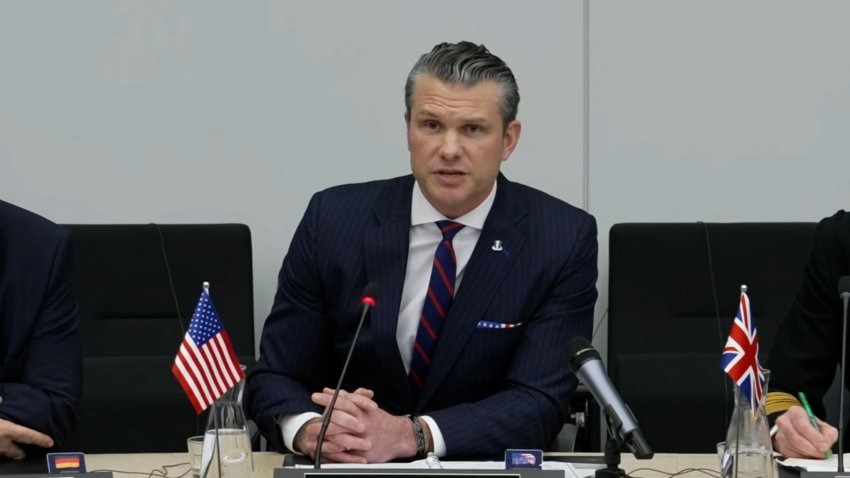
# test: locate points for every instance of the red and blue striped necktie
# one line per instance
(438, 301)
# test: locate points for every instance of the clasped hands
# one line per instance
(359, 430)
(796, 437)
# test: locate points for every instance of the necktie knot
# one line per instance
(449, 229)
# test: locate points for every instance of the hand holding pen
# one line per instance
(812, 419)
(800, 435)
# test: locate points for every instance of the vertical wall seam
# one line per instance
(586, 106)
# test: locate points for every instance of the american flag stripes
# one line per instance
(206, 364)
(740, 357)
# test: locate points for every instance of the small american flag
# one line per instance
(206, 365)
(740, 357)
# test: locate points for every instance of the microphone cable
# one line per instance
(599, 325)
(170, 278)
(726, 411)
(174, 297)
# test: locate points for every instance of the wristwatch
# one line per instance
(418, 435)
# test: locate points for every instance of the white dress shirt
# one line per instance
(424, 238)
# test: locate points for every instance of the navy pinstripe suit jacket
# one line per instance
(487, 389)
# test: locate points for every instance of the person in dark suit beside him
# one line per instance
(483, 281)
(807, 348)
(40, 357)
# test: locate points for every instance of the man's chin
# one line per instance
(453, 207)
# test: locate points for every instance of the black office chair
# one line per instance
(130, 281)
(664, 337)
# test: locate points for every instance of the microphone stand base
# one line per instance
(616, 473)
(612, 461)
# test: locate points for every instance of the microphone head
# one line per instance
(843, 286)
(579, 351)
(370, 294)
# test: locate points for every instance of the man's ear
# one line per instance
(407, 127)
(511, 139)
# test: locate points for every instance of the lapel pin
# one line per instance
(497, 245)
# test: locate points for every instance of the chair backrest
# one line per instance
(131, 331)
(664, 336)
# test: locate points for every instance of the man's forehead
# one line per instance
(431, 94)
(430, 82)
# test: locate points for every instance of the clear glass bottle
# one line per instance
(227, 437)
(748, 452)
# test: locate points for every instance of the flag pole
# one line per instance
(206, 286)
(217, 447)
(740, 419)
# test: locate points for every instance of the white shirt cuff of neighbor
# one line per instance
(289, 426)
(436, 436)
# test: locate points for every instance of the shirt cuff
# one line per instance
(289, 426)
(436, 436)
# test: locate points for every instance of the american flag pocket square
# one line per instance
(486, 324)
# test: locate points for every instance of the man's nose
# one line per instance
(450, 147)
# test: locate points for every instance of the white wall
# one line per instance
(213, 111)
(717, 111)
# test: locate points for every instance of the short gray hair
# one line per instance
(465, 63)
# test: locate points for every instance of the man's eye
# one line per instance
(473, 128)
(431, 125)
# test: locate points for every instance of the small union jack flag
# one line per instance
(740, 357)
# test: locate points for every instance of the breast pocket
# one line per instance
(490, 350)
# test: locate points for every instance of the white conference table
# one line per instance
(127, 465)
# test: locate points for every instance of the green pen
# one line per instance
(811, 415)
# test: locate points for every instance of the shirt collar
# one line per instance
(422, 212)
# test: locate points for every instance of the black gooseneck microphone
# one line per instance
(587, 365)
(370, 298)
(844, 293)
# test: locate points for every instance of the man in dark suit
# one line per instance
(41, 368)
(463, 355)
(807, 348)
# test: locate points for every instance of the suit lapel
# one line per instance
(385, 250)
(484, 273)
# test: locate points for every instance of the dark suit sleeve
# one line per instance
(807, 348)
(532, 405)
(294, 340)
(46, 396)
